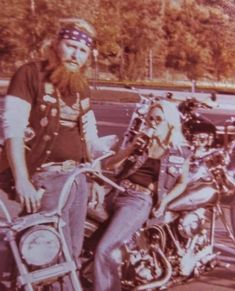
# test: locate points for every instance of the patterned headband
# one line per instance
(75, 34)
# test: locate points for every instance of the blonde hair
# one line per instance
(172, 116)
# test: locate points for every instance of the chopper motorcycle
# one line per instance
(33, 247)
(181, 245)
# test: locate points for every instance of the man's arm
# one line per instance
(24, 188)
(15, 120)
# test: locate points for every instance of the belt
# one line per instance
(65, 166)
(136, 187)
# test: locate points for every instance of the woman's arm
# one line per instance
(117, 160)
(181, 184)
(176, 191)
(139, 143)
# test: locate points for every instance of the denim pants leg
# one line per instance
(73, 213)
(131, 210)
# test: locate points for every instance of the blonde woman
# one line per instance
(153, 177)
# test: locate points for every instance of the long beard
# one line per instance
(68, 83)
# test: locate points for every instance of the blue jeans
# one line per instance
(131, 210)
(232, 213)
(73, 213)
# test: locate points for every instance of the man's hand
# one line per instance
(28, 195)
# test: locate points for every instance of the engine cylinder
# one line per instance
(191, 223)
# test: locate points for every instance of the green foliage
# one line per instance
(203, 39)
(195, 38)
(128, 30)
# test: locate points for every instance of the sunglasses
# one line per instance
(158, 119)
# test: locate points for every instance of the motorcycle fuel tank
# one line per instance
(194, 197)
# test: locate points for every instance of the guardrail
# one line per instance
(184, 85)
(190, 86)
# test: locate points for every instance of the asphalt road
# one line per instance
(113, 119)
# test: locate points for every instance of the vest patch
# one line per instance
(44, 122)
(176, 159)
(49, 88)
(85, 104)
(173, 170)
(48, 98)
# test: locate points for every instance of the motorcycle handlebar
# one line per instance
(94, 163)
(82, 168)
(87, 168)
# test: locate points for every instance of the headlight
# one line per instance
(40, 245)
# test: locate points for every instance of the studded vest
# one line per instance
(44, 123)
(170, 168)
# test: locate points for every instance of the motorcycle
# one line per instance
(37, 253)
(182, 244)
(33, 247)
(217, 137)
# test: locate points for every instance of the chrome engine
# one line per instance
(191, 223)
(157, 255)
(144, 262)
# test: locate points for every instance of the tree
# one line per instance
(133, 31)
(198, 40)
(194, 37)
(24, 30)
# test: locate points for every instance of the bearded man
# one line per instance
(49, 128)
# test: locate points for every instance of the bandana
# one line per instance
(75, 34)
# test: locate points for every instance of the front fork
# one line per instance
(224, 220)
(20, 266)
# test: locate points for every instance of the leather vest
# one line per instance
(170, 168)
(44, 121)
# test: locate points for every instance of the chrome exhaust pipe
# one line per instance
(161, 282)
